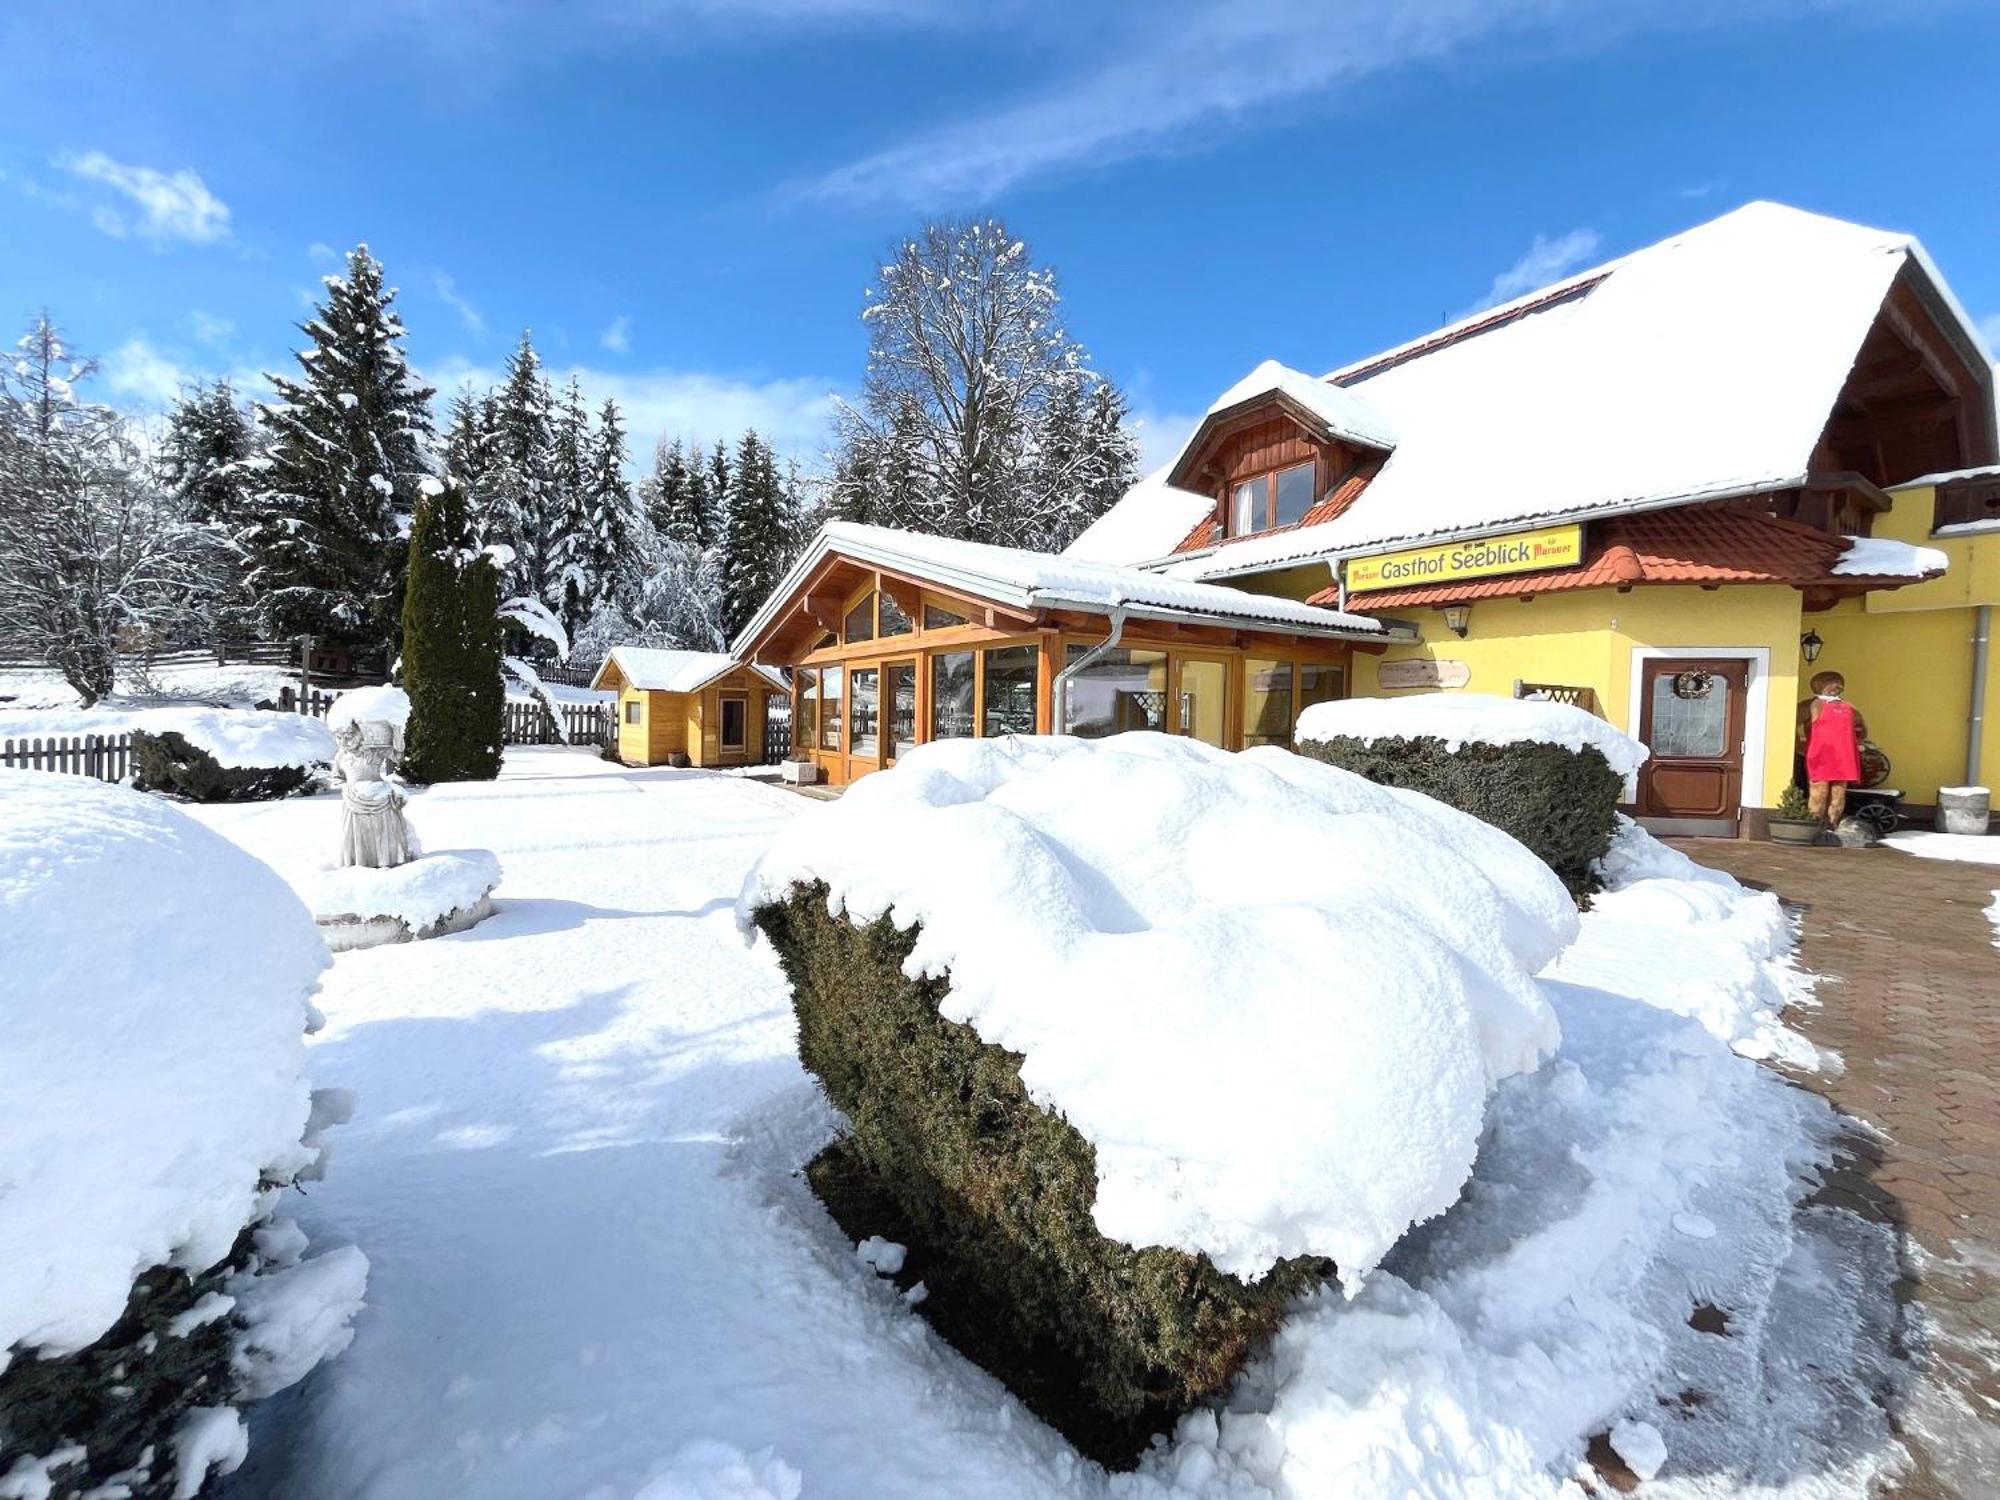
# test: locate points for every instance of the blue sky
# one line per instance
(684, 198)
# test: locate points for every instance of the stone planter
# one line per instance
(1964, 809)
(1803, 831)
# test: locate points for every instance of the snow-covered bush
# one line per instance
(159, 986)
(1547, 773)
(1137, 1039)
(227, 755)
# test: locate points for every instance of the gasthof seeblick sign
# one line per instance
(1482, 557)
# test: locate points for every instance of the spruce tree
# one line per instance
(607, 524)
(468, 458)
(668, 496)
(569, 586)
(523, 474)
(204, 457)
(759, 534)
(718, 495)
(451, 645)
(345, 451)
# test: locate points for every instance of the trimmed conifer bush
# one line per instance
(451, 646)
(165, 761)
(993, 1194)
(1561, 803)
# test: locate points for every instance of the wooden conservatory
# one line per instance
(894, 639)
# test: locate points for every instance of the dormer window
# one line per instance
(1279, 498)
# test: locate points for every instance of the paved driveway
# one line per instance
(1910, 998)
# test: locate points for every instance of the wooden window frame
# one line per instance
(1269, 479)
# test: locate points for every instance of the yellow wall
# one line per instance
(661, 731)
(1586, 638)
(1907, 654)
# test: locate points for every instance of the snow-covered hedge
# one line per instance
(1547, 773)
(227, 755)
(159, 986)
(1137, 1038)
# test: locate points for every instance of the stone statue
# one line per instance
(372, 828)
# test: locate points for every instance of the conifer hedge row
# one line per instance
(1561, 803)
(993, 1195)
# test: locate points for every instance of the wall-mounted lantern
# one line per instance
(1810, 646)
(1458, 619)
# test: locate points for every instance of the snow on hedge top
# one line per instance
(151, 1047)
(1471, 719)
(1272, 995)
(236, 737)
(386, 705)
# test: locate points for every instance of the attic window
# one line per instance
(1280, 498)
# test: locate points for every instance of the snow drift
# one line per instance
(152, 1051)
(1272, 996)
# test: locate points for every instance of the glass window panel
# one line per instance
(1267, 702)
(632, 711)
(1295, 494)
(1319, 683)
(735, 722)
(1246, 507)
(861, 709)
(1010, 691)
(951, 695)
(1202, 687)
(1121, 690)
(940, 619)
(894, 621)
(860, 622)
(902, 709)
(829, 709)
(1689, 728)
(806, 731)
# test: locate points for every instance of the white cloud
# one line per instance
(1544, 261)
(1167, 76)
(447, 290)
(209, 328)
(1989, 329)
(322, 254)
(793, 414)
(618, 337)
(157, 206)
(143, 376)
(1161, 436)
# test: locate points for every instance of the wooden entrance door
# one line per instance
(735, 727)
(1691, 718)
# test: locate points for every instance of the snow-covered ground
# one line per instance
(237, 685)
(597, 1274)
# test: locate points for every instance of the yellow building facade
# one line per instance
(1912, 657)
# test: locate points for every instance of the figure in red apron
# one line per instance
(1834, 731)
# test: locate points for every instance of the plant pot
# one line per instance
(1796, 830)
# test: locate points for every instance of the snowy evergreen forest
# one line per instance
(979, 417)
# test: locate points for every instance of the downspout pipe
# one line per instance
(1975, 729)
(1109, 643)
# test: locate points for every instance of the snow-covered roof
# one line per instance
(1984, 471)
(1147, 522)
(1026, 581)
(1340, 411)
(1884, 557)
(1700, 367)
(652, 669)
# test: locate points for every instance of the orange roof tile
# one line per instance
(1687, 544)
